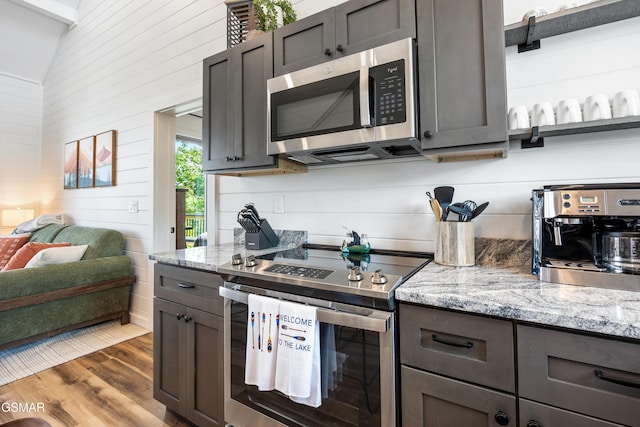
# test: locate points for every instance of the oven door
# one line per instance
(358, 367)
(302, 115)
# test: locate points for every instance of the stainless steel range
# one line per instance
(353, 294)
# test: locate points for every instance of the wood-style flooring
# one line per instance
(112, 387)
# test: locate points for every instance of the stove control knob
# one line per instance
(250, 261)
(378, 277)
(236, 259)
(354, 274)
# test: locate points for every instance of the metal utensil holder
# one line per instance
(261, 239)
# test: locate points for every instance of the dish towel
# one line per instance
(298, 364)
(262, 340)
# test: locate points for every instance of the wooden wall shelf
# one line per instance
(574, 19)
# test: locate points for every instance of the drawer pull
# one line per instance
(436, 338)
(185, 286)
(598, 373)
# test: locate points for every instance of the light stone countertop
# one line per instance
(516, 294)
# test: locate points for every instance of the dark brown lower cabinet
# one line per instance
(458, 370)
(430, 400)
(187, 347)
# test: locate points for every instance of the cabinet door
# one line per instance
(461, 73)
(431, 400)
(205, 342)
(253, 65)
(364, 24)
(304, 43)
(235, 107)
(217, 111)
(169, 355)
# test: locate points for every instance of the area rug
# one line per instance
(28, 359)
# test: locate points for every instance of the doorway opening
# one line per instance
(190, 182)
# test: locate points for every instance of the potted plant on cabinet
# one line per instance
(269, 14)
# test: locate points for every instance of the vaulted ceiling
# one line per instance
(30, 31)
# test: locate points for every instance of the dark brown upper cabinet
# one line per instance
(346, 29)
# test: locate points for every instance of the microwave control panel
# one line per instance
(389, 93)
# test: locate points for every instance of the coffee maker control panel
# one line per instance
(589, 202)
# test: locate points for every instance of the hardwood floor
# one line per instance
(112, 387)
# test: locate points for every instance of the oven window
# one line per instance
(331, 105)
(350, 366)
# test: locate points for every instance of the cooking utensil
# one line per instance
(444, 195)
(470, 206)
(477, 211)
(462, 211)
(435, 207)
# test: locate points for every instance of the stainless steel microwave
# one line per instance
(358, 107)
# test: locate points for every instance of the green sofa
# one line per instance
(44, 301)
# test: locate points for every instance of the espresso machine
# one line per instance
(588, 234)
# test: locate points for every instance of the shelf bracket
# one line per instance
(530, 44)
(536, 141)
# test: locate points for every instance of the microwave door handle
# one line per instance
(365, 113)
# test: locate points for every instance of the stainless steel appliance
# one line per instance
(588, 235)
(358, 107)
(353, 294)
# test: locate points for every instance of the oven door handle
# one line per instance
(376, 321)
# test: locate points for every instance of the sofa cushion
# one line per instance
(9, 245)
(28, 251)
(58, 255)
(102, 242)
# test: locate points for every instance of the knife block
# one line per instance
(454, 244)
(262, 239)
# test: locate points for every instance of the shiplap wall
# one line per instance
(20, 117)
(124, 61)
(387, 200)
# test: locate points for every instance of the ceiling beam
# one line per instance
(52, 9)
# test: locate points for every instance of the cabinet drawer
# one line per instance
(471, 348)
(431, 400)
(594, 376)
(536, 414)
(193, 288)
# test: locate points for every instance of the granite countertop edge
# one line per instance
(515, 294)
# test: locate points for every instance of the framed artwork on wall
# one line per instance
(86, 159)
(105, 164)
(71, 164)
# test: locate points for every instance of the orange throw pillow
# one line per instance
(9, 245)
(28, 251)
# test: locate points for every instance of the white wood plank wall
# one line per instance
(124, 60)
(20, 117)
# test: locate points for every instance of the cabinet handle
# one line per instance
(327, 52)
(620, 381)
(533, 423)
(501, 418)
(427, 134)
(187, 319)
(339, 48)
(436, 338)
(179, 316)
(185, 286)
